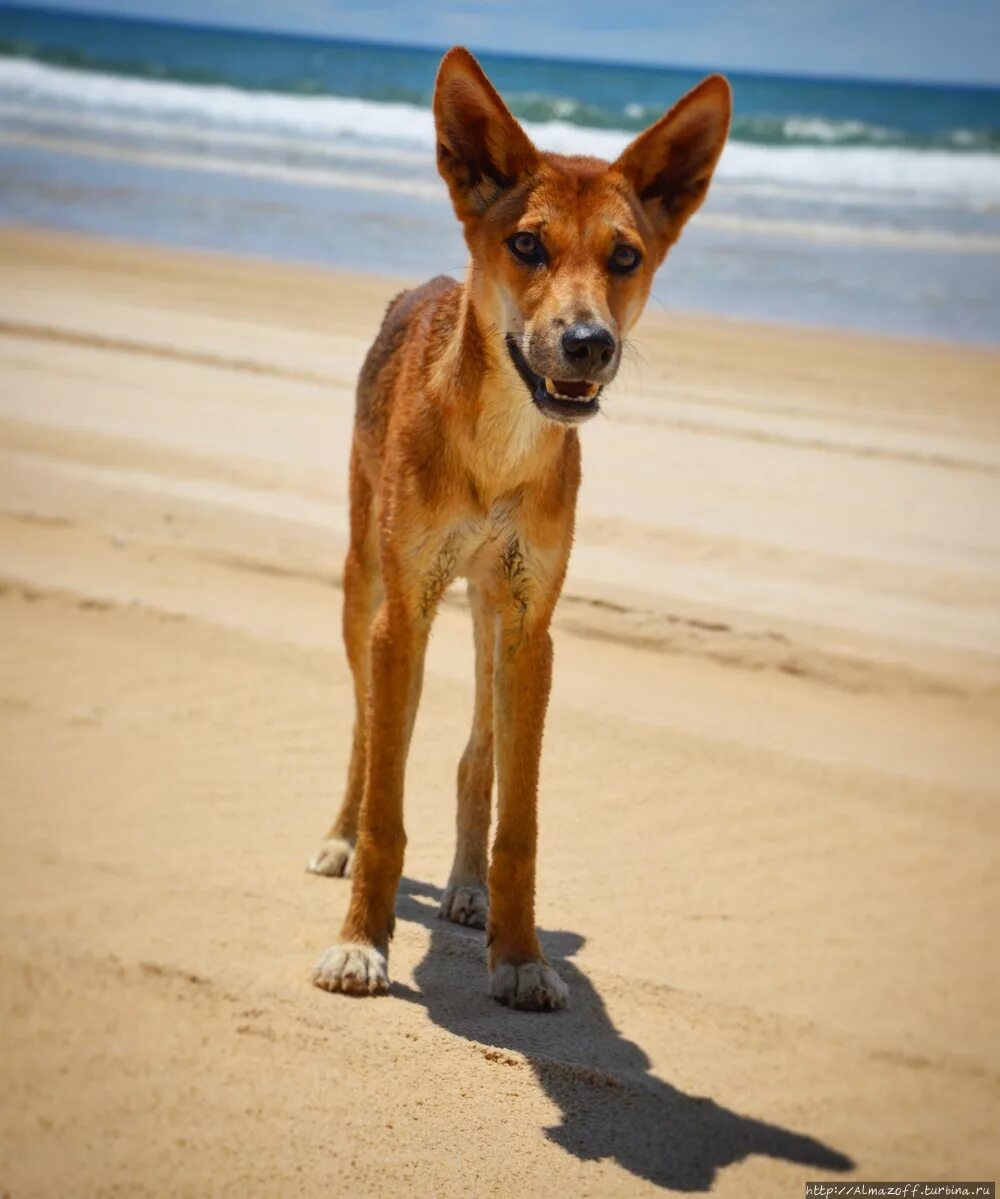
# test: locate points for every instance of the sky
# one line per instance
(927, 40)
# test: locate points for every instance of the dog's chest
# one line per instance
(471, 546)
(481, 539)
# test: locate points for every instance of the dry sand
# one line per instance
(768, 866)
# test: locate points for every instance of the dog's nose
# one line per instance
(589, 346)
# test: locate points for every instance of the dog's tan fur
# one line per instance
(457, 471)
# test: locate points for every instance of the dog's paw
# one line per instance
(353, 969)
(532, 987)
(467, 904)
(335, 857)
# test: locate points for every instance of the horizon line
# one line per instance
(439, 48)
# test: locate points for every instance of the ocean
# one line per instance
(864, 205)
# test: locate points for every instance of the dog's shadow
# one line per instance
(611, 1105)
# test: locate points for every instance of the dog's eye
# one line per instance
(624, 259)
(527, 247)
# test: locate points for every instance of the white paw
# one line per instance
(467, 904)
(533, 987)
(352, 968)
(335, 857)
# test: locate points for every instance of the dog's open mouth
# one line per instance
(562, 400)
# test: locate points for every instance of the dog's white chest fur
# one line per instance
(507, 432)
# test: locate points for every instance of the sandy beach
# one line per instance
(769, 817)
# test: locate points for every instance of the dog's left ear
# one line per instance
(670, 164)
(481, 150)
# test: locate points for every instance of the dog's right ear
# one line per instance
(481, 149)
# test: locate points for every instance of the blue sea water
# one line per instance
(861, 204)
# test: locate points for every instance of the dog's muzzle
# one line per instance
(564, 401)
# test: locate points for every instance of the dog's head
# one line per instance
(564, 248)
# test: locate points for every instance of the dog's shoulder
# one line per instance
(384, 360)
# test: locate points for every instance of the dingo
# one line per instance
(466, 462)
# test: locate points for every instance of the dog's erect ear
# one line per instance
(670, 164)
(481, 149)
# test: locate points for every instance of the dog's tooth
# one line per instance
(583, 397)
(550, 386)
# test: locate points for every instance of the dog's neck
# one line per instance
(505, 440)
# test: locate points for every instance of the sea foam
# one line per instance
(387, 128)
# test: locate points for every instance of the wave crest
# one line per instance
(540, 107)
(823, 156)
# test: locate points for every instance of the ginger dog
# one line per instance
(466, 462)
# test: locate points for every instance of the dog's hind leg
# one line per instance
(465, 897)
(362, 594)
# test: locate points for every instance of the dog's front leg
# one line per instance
(519, 974)
(358, 964)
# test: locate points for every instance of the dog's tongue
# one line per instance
(563, 387)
